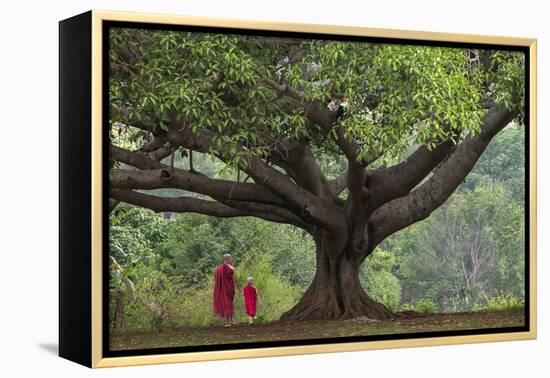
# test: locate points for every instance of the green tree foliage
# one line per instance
(195, 244)
(468, 251)
(379, 281)
(172, 278)
(504, 162)
(394, 95)
(134, 235)
(192, 248)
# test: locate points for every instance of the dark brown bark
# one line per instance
(192, 205)
(196, 183)
(336, 291)
(393, 182)
(299, 162)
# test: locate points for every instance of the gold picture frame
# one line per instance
(86, 273)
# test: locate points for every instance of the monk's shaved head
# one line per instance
(227, 257)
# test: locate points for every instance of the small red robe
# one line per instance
(250, 297)
(224, 290)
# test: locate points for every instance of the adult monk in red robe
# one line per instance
(225, 281)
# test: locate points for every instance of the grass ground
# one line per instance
(404, 323)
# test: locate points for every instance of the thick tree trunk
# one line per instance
(336, 291)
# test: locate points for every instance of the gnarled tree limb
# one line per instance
(396, 181)
(421, 202)
(187, 205)
(299, 200)
(180, 179)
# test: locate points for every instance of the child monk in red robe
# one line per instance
(251, 297)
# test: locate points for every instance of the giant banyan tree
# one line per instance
(407, 122)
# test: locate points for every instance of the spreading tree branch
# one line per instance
(188, 205)
(396, 181)
(155, 175)
(300, 201)
(300, 163)
(196, 183)
(421, 202)
(324, 118)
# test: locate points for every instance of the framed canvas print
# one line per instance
(235, 189)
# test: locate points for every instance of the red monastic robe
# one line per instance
(250, 297)
(224, 291)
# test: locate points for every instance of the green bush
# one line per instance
(426, 305)
(503, 301)
(406, 307)
(157, 294)
(195, 306)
